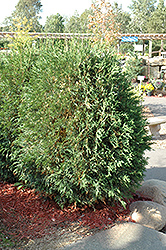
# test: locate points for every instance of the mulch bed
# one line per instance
(26, 215)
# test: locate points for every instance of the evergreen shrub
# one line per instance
(4, 43)
(15, 67)
(79, 133)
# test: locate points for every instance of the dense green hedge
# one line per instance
(70, 124)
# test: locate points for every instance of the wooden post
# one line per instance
(150, 55)
(118, 45)
(143, 51)
(150, 48)
(161, 48)
(148, 68)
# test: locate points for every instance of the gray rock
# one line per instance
(155, 61)
(149, 214)
(127, 236)
(155, 190)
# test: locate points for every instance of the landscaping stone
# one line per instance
(154, 189)
(126, 236)
(154, 61)
(149, 214)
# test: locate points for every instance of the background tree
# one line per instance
(102, 22)
(54, 24)
(157, 22)
(121, 17)
(73, 23)
(26, 8)
(141, 13)
(84, 20)
(7, 23)
(78, 23)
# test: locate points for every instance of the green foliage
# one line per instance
(21, 39)
(133, 66)
(73, 24)
(122, 18)
(84, 20)
(78, 23)
(7, 24)
(29, 9)
(54, 24)
(141, 13)
(75, 129)
(6, 241)
(157, 22)
(4, 43)
(14, 73)
(126, 48)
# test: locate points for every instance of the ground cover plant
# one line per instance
(71, 126)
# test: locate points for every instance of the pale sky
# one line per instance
(63, 7)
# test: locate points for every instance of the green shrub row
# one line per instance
(71, 126)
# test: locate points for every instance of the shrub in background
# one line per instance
(133, 66)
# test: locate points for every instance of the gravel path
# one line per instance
(157, 105)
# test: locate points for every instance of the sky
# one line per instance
(63, 7)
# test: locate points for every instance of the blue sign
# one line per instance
(129, 39)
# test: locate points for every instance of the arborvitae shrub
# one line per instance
(81, 134)
(15, 67)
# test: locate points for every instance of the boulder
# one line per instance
(126, 236)
(157, 61)
(149, 214)
(155, 190)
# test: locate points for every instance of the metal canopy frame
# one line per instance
(143, 37)
(49, 35)
(86, 35)
(150, 38)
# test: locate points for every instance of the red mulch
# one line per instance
(26, 215)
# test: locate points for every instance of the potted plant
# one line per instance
(143, 87)
(149, 88)
(158, 84)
